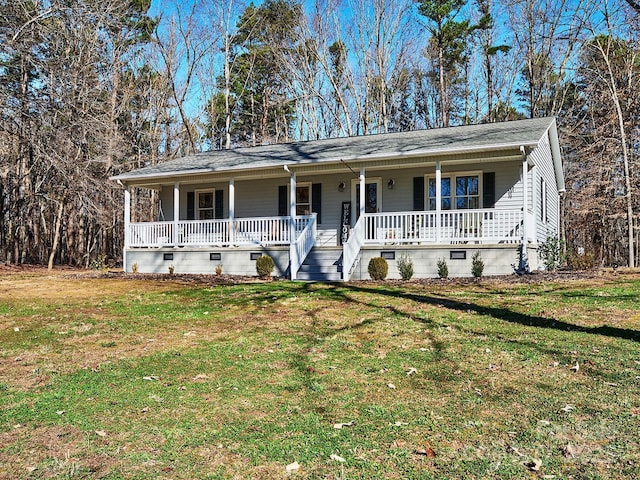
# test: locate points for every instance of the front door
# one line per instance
(372, 200)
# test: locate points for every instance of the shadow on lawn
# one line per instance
(501, 313)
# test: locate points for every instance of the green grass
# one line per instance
(174, 380)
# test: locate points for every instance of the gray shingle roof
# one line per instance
(484, 136)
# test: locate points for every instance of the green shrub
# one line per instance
(477, 265)
(405, 266)
(550, 252)
(378, 268)
(443, 268)
(264, 266)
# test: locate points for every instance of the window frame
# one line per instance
(196, 203)
(308, 185)
(453, 176)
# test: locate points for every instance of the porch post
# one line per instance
(524, 262)
(438, 199)
(176, 212)
(362, 193)
(232, 210)
(293, 260)
(232, 199)
(127, 225)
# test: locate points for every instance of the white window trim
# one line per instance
(196, 201)
(305, 184)
(453, 176)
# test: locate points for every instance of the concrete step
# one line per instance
(319, 277)
(319, 268)
(323, 264)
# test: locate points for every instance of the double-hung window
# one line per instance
(205, 204)
(457, 191)
(303, 199)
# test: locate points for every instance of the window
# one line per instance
(465, 194)
(445, 192)
(303, 199)
(205, 204)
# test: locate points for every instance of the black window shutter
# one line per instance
(282, 201)
(418, 193)
(191, 205)
(219, 208)
(488, 190)
(316, 200)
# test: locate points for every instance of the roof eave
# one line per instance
(125, 178)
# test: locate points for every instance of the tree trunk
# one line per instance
(56, 235)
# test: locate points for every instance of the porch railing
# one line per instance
(452, 226)
(351, 248)
(304, 242)
(239, 231)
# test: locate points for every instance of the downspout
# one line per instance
(523, 267)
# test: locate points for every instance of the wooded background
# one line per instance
(93, 88)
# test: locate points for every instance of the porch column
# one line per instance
(127, 225)
(176, 212)
(438, 199)
(232, 199)
(232, 209)
(362, 192)
(293, 260)
(524, 262)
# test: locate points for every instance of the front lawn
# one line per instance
(128, 377)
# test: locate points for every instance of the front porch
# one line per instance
(291, 238)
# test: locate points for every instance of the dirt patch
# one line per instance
(49, 452)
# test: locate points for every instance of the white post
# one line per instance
(232, 209)
(362, 192)
(293, 260)
(176, 212)
(127, 226)
(232, 199)
(438, 199)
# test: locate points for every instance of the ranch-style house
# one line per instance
(322, 209)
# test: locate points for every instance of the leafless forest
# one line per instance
(92, 88)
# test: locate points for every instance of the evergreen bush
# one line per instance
(264, 266)
(378, 268)
(443, 268)
(477, 265)
(405, 266)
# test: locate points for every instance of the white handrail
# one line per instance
(304, 242)
(351, 248)
(239, 231)
(479, 225)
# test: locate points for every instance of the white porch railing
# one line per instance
(351, 248)
(150, 234)
(239, 231)
(454, 226)
(304, 242)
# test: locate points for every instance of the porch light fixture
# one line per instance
(341, 187)
(391, 183)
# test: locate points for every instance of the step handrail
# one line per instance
(351, 248)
